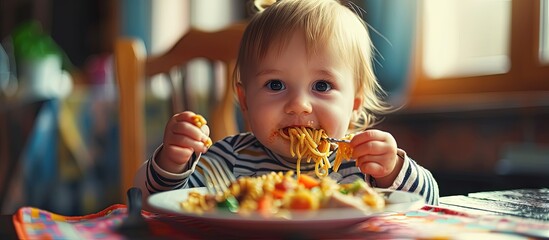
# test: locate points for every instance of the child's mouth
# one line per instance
(285, 132)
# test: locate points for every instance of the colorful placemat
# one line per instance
(34, 223)
(430, 222)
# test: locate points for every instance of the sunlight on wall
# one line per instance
(170, 19)
(466, 37)
(544, 32)
(209, 15)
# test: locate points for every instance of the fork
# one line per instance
(134, 226)
(218, 176)
(336, 140)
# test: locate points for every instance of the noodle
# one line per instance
(311, 144)
(344, 151)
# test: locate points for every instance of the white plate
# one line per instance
(323, 219)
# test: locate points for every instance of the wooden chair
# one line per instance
(134, 67)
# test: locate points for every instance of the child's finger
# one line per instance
(176, 154)
(373, 135)
(186, 116)
(206, 130)
(368, 135)
(378, 165)
(186, 142)
(370, 148)
(373, 169)
(182, 125)
(186, 128)
(205, 137)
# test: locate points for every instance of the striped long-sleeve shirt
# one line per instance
(246, 156)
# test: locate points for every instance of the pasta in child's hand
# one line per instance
(199, 121)
(344, 151)
(276, 193)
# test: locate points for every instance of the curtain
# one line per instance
(392, 30)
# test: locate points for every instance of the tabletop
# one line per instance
(516, 214)
(524, 203)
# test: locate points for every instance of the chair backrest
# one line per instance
(134, 67)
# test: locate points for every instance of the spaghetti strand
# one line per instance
(311, 145)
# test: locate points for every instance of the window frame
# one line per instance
(527, 77)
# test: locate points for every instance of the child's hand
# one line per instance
(185, 134)
(375, 152)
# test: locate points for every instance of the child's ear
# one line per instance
(357, 104)
(241, 92)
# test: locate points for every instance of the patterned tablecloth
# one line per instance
(430, 222)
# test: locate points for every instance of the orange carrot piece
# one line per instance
(308, 181)
(278, 194)
(264, 204)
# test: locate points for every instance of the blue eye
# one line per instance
(275, 85)
(322, 86)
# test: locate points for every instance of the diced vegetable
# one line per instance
(285, 185)
(303, 200)
(352, 187)
(229, 204)
(308, 181)
(278, 194)
(264, 204)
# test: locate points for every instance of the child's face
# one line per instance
(289, 89)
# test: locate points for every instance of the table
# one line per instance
(500, 207)
(525, 203)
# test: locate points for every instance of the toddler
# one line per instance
(302, 63)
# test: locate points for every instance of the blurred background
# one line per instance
(471, 78)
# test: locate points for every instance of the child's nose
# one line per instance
(298, 104)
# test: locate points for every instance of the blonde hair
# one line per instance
(324, 23)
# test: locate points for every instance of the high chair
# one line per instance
(134, 67)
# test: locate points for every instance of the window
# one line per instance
(456, 43)
(485, 50)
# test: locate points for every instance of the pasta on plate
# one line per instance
(275, 194)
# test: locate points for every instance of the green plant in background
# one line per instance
(31, 42)
(42, 66)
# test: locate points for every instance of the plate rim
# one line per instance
(155, 201)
